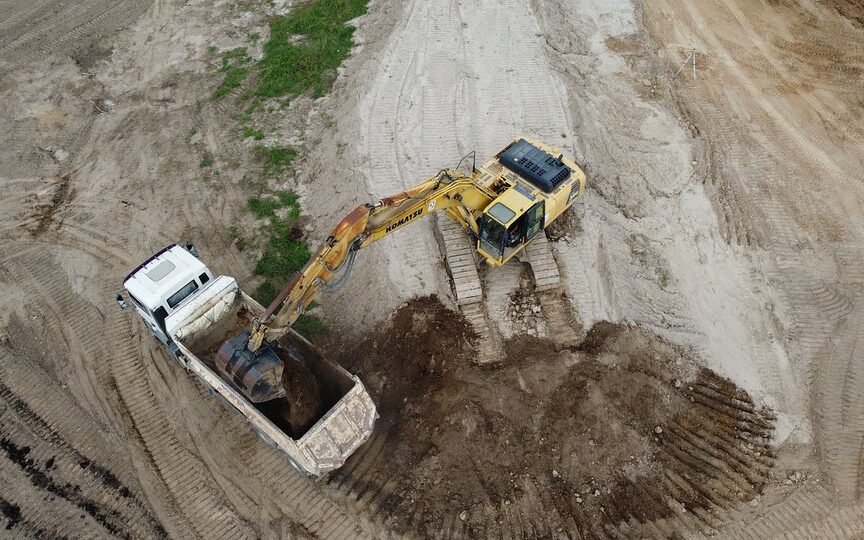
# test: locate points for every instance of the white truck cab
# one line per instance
(163, 283)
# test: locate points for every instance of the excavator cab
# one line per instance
(508, 224)
(539, 187)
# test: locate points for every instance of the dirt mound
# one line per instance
(627, 427)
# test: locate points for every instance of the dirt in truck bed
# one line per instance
(610, 430)
(302, 405)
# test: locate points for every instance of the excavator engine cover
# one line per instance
(535, 165)
(258, 375)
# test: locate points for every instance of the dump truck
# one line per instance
(193, 312)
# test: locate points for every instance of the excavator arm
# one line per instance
(450, 191)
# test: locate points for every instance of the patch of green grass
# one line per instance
(274, 159)
(234, 66)
(302, 54)
(206, 161)
(249, 131)
(664, 278)
(265, 207)
(284, 253)
(308, 63)
(284, 250)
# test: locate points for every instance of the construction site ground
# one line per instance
(680, 356)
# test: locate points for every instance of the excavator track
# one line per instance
(562, 326)
(544, 268)
(459, 254)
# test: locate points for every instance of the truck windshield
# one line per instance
(181, 295)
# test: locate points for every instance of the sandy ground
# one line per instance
(723, 220)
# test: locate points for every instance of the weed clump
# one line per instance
(255, 133)
(274, 160)
(305, 48)
(234, 66)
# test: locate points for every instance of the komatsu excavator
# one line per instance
(502, 205)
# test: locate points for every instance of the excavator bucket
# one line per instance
(258, 375)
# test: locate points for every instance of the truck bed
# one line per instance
(344, 415)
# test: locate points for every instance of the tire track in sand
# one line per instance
(183, 474)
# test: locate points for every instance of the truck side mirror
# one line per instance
(120, 301)
(190, 247)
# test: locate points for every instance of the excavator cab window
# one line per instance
(534, 220)
(492, 237)
(515, 237)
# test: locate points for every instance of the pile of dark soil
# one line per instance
(585, 431)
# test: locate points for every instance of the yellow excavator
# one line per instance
(502, 205)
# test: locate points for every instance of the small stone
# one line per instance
(677, 383)
(463, 515)
(507, 502)
(754, 503)
(579, 499)
(693, 162)
(555, 473)
(788, 482)
(646, 82)
(596, 492)
(658, 430)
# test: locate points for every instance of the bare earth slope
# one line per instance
(778, 101)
